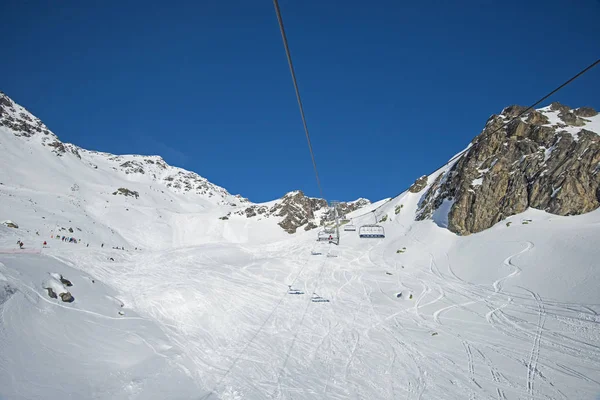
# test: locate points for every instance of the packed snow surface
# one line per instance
(508, 313)
(194, 307)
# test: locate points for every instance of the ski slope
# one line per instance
(506, 314)
(195, 307)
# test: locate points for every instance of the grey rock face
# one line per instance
(126, 192)
(418, 185)
(67, 297)
(19, 120)
(526, 164)
(296, 209)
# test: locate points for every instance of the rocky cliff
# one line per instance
(298, 210)
(548, 159)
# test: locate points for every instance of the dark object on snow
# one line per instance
(71, 230)
(318, 299)
(388, 273)
(67, 297)
(111, 259)
(121, 313)
(65, 282)
(434, 334)
(51, 293)
(399, 295)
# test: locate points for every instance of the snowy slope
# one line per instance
(84, 349)
(196, 307)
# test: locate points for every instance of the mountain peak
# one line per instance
(20, 121)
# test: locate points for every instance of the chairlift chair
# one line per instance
(323, 235)
(294, 291)
(371, 231)
(318, 299)
(350, 227)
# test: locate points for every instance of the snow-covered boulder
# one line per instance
(56, 288)
(10, 224)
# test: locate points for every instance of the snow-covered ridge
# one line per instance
(569, 120)
(35, 159)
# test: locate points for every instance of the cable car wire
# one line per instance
(289, 58)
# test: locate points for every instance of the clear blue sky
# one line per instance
(391, 89)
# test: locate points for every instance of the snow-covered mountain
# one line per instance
(151, 192)
(154, 283)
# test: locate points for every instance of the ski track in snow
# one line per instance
(226, 307)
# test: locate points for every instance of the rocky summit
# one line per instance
(548, 159)
(299, 210)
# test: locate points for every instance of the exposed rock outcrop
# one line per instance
(546, 160)
(10, 224)
(296, 210)
(21, 122)
(126, 192)
(299, 210)
(418, 185)
(67, 297)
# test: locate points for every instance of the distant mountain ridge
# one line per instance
(293, 210)
(547, 159)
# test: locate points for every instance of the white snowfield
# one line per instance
(196, 307)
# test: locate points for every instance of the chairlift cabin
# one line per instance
(324, 235)
(371, 231)
(349, 227)
(318, 299)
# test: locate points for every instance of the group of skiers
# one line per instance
(66, 239)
